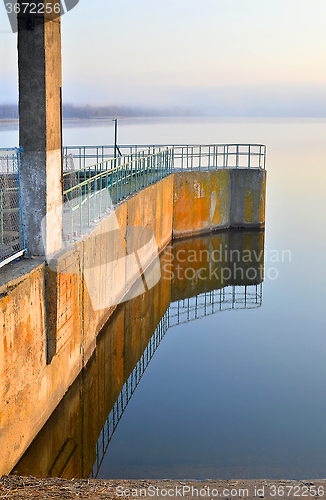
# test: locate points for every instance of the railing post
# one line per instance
(88, 204)
(71, 215)
(80, 211)
(94, 198)
(120, 187)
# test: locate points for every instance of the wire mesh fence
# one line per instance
(12, 243)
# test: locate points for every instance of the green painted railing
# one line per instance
(90, 189)
(186, 156)
(90, 192)
(94, 180)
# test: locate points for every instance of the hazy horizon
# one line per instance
(213, 58)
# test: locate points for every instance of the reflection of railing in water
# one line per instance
(179, 312)
(127, 391)
(207, 303)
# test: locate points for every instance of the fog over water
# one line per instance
(230, 58)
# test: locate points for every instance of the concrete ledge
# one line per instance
(16, 272)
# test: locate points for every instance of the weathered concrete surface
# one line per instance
(206, 201)
(49, 324)
(201, 202)
(248, 188)
(30, 387)
(39, 66)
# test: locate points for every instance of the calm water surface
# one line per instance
(239, 393)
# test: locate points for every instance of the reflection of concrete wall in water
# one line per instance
(212, 262)
(68, 445)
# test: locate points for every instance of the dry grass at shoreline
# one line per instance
(23, 488)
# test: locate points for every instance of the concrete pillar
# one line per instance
(40, 131)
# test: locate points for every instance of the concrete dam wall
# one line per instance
(49, 324)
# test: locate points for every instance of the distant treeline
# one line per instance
(71, 111)
(8, 111)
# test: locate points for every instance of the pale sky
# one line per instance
(228, 56)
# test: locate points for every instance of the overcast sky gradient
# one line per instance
(221, 57)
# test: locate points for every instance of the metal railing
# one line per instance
(12, 244)
(90, 189)
(186, 156)
(94, 179)
(179, 312)
(90, 192)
